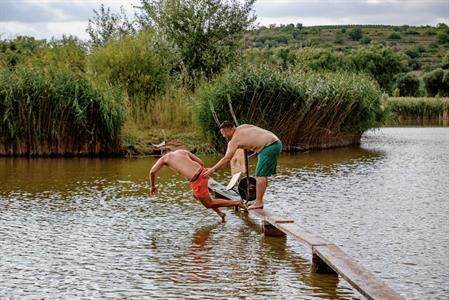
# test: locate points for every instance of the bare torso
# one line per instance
(181, 162)
(252, 137)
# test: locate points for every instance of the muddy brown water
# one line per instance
(85, 228)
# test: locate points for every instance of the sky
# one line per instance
(53, 18)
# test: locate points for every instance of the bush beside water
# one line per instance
(55, 112)
(403, 108)
(306, 110)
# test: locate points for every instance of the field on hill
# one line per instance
(424, 45)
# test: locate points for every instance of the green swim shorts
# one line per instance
(267, 160)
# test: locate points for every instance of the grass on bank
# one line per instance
(418, 108)
(170, 117)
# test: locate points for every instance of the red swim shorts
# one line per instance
(200, 187)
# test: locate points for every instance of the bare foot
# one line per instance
(255, 206)
(223, 217)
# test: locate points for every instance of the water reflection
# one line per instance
(200, 253)
(79, 227)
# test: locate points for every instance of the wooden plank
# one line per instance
(297, 232)
(358, 276)
(221, 190)
(280, 221)
(238, 162)
(302, 235)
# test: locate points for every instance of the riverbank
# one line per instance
(419, 110)
(403, 111)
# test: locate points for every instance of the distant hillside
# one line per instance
(424, 45)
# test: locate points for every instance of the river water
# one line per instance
(85, 228)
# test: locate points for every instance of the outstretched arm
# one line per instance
(230, 151)
(152, 175)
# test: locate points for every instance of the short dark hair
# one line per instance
(226, 124)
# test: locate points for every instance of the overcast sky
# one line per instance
(53, 18)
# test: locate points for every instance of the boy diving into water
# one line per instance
(192, 168)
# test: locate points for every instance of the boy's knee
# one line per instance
(206, 202)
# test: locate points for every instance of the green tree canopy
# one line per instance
(355, 33)
(383, 63)
(139, 64)
(206, 32)
(106, 24)
(408, 85)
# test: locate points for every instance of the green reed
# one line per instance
(306, 110)
(55, 112)
(436, 108)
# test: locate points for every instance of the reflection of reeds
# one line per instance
(419, 108)
(305, 110)
(55, 112)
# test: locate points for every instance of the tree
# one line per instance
(408, 85)
(205, 32)
(394, 36)
(140, 64)
(383, 63)
(67, 53)
(365, 40)
(445, 61)
(13, 52)
(356, 33)
(442, 38)
(437, 82)
(106, 24)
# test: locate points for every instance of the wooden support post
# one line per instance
(270, 230)
(319, 266)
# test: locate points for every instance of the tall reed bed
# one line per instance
(306, 110)
(55, 112)
(432, 108)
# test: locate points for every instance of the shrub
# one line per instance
(68, 54)
(382, 63)
(394, 36)
(433, 46)
(445, 61)
(412, 53)
(418, 107)
(301, 108)
(13, 52)
(420, 48)
(54, 111)
(442, 38)
(322, 59)
(365, 40)
(436, 82)
(408, 85)
(338, 39)
(140, 65)
(356, 33)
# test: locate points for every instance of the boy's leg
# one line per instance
(215, 203)
(220, 213)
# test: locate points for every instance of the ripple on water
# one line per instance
(88, 229)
